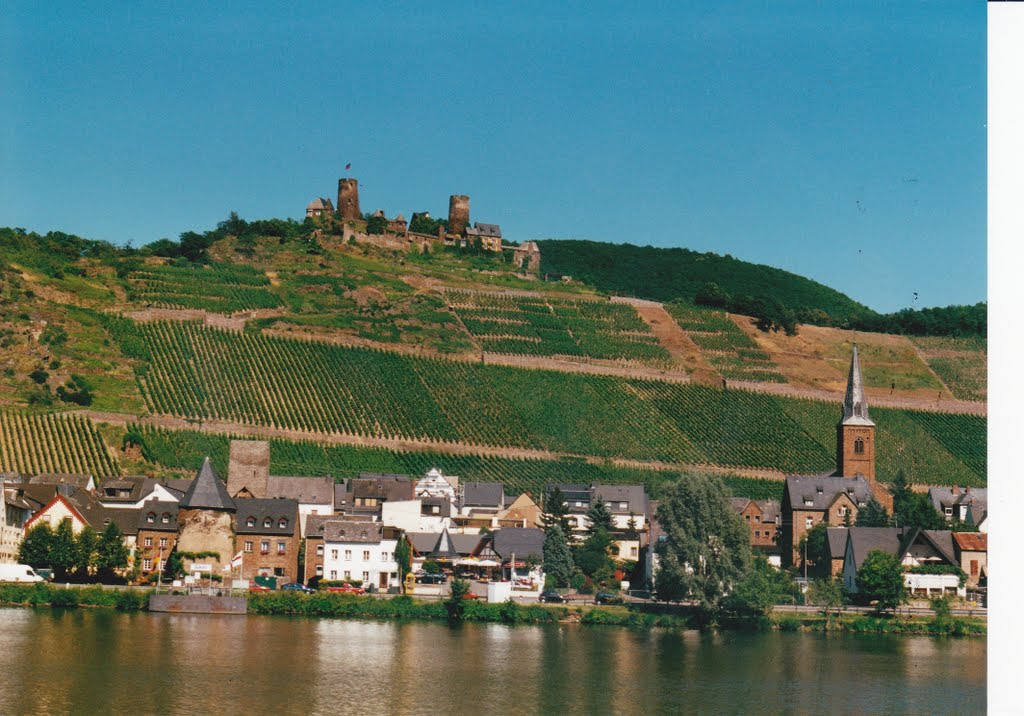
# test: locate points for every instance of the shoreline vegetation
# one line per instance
(405, 608)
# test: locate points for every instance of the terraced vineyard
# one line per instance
(528, 325)
(961, 363)
(185, 449)
(33, 443)
(198, 372)
(732, 352)
(220, 288)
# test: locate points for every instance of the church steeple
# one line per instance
(855, 404)
(855, 433)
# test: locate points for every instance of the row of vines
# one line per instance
(220, 288)
(47, 443)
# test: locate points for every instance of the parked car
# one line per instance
(296, 587)
(258, 588)
(607, 598)
(431, 579)
(347, 589)
(18, 573)
(550, 595)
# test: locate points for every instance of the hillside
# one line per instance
(354, 357)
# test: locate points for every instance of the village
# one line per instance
(391, 534)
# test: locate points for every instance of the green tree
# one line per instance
(558, 564)
(376, 225)
(403, 555)
(36, 548)
(761, 588)
(556, 512)
(63, 551)
(631, 528)
(913, 509)
(594, 556)
(456, 606)
(85, 552)
(880, 580)
(706, 549)
(431, 567)
(599, 516)
(827, 593)
(111, 553)
(814, 544)
(874, 514)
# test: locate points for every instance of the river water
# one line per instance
(97, 661)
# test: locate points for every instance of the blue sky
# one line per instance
(841, 141)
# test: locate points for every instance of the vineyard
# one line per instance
(960, 362)
(220, 288)
(197, 372)
(732, 352)
(185, 450)
(34, 444)
(531, 325)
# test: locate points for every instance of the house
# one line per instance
(519, 551)
(971, 550)
(929, 563)
(425, 514)
(808, 500)
(764, 518)
(969, 505)
(837, 537)
(314, 495)
(361, 551)
(627, 503)
(435, 484)
(521, 512)
(157, 534)
(577, 500)
(14, 513)
(206, 523)
(481, 499)
(133, 491)
(367, 493)
(319, 207)
(489, 235)
(268, 535)
(425, 543)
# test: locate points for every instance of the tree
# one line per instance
(431, 566)
(558, 564)
(556, 512)
(85, 552)
(631, 529)
(594, 556)
(376, 225)
(403, 555)
(880, 580)
(814, 545)
(913, 509)
(35, 549)
(456, 601)
(599, 516)
(827, 593)
(63, 550)
(706, 548)
(111, 553)
(761, 588)
(874, 514)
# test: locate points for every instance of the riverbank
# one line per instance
(345, 606)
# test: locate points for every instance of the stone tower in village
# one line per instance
(249, 468)
(855, 439)
(206, 520)
(458, 214)
(348, 199)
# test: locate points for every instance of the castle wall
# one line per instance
(249, 467)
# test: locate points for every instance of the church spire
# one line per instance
(855, 404)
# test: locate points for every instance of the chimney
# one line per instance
(967, 490)
(954, 490)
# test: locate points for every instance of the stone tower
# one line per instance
(206, 520)
(348, 199)
(855, 439)
(249, 468)
(458, 214)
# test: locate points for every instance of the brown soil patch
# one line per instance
(364, 295)
(674, 339)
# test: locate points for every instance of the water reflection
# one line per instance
(99, 661)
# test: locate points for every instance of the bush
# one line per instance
(131, 601)
(65, 598)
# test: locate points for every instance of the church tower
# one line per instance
(855, 443)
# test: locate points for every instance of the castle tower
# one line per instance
(855, 443)
(249, 468)
(348, 199)
(458, 214)
(206, 520)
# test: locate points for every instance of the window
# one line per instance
(150, 517)
(148, 542)
(267, 522)
(147, 564)
(319, 570)
(278, 571)
(808, 522)
(633, 552)
(248, 546)
(757, 533)
(858, 445)
(757, 518)
(319, 550)
(348, 554)
(282, 523)
(163, 541)
(949, 511)
(623, 506)
(334, 574)
(250, 522)
(348, 574)
(435, 509)
(974, 568)
(264, 547)
(359, 502)
(280, 547)
(747, 517)
(334, 554)
(366, 555)
(165, 518)
(366, 576)
(384, 556)
(579, 504)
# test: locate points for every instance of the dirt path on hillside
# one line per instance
(945, 404)
(564, 365)
(674, 339)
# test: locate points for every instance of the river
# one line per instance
(97, 661)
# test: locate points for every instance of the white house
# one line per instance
(915, 548)
(361, 551)
(14, 512)
(434, 484)
(130, 493)
(428, 514)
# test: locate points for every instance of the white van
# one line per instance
(18, 573)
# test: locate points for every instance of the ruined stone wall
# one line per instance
(458, 214)
(249, 467)
(207, 531)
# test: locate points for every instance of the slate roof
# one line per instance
(353, 531)
(110, 489)
(424, 542)
(443, 548)
(633, 495)
(771, 510)
(307, 490)
(975, 497)
(382, 487)
(261, 509)
(572, 493)
(521, 540)
(837, 537)
(320, 204)
(822, 490)
(479, 229)
(855, 402)
(863, 540)
(971, 541)
(207, 491)
(941, 540)
(158, 508)
(443, 503)
(483, 494)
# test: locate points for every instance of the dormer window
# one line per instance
(250, 522)
(858, 446)
(808, 502)
(363, 534)
(150, 517)
(267, 522)
(165, 518)
(282, 523)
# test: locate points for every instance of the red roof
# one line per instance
(971, 541)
